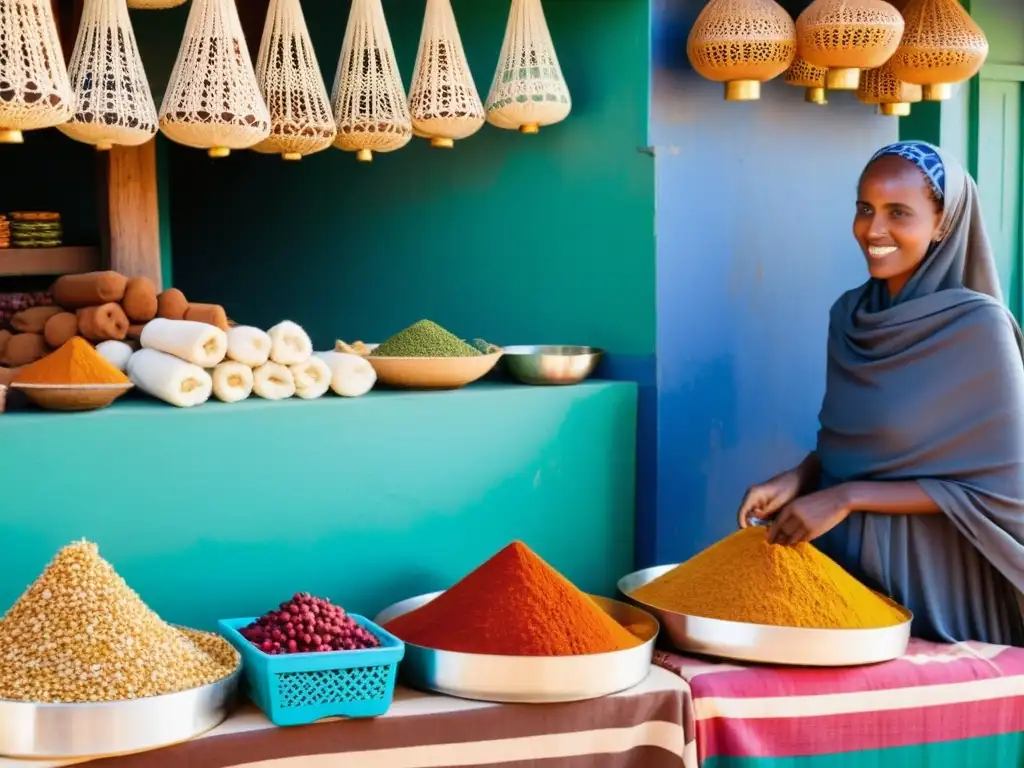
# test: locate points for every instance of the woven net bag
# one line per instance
(288, 74)
(443, 100)
(810, 78)
(942, 45)
(113, 102)
(742, 43)
(846, 36)
(528, 89)
(212, 100)
(893, 96)
(155, 5)
(35, 91)
(368, 98)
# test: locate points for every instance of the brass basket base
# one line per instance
(937, 92)
(11, 136)
(364, 156)
(439, 142)
(894, 109)
(842, 79)
(218, 152)
(816, 96)
(742, 90)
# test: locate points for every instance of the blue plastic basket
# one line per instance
(301, 688)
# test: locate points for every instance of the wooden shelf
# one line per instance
(64, 260)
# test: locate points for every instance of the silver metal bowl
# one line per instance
(552, 364)
(529, 679)
(65, 731)
(769, 644)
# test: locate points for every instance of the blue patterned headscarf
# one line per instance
(924, 156)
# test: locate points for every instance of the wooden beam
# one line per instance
(129, 214)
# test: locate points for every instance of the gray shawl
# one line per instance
(929, 386)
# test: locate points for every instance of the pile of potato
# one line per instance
(98, 306)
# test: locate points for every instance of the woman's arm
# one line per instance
(899, 497)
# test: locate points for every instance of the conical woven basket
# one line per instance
(810, 78)
(942, 45)
(212, 100)
(742, 43)
(114, 104)
(35, 91)
(528, 89)
(892, 95)
(368, 99)
(155, 5)
(846, 36)
(288, 74)
(443, 101)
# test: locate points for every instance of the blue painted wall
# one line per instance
(754, 209)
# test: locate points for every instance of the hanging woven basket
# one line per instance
(892, 95)
(368, 99)
(213, 101)
(288, 74)
(942, 45)
(35, 91)
(528, 89)
(846, 36)
(443, 101)
(155, 5)
(742, 43)
(114, 104)
(810, 78)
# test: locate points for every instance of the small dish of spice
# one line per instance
(426, 356)
(73, 378)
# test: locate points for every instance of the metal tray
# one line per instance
(766, 644)
(56, 731)
(529, 679)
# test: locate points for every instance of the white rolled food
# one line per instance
(199, 343)
(169, 378)
(312, 378)
(351, 375)
(232, 381)
(273, 381)
(117, 353)
(248, 345)
(289, 344)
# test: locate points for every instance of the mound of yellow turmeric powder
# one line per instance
(744, 578)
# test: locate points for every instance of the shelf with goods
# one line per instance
(62, 260)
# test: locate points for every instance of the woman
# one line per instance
(917, 481)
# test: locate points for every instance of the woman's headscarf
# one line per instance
(929, 386)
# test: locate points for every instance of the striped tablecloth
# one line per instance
(646, 727)
(956, 705)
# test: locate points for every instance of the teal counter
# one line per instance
(225, 510)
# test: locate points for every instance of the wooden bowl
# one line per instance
(72, 397)
(432, 372)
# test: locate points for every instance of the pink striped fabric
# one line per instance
(933, 693)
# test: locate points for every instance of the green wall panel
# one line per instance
(517, 239)
(225, 510)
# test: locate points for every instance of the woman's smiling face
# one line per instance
(898, 218)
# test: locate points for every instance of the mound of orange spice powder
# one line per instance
(744, 578)
(76, 362)
(515, 604)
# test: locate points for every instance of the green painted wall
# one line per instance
(225, 510)
(518, 239)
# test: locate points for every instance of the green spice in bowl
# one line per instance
(425, 339)
(426, 356)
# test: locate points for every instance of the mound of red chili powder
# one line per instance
(515, 604)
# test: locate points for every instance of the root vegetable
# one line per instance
(351, 375)
(211, 314)
(171, 304)
(5, 336)
(248, 345)
(232, 381)
(140, 302)
(24, 348)
(89, 290)
(169, 378)
(312, 378)
(117, 353)
(273, 381)
(193, 342)
(135, 331)
(60, 328)
(7, 376)
(290, 344)
(33, 320)
(107, 321)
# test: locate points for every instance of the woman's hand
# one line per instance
(810, 516)
(764, 500)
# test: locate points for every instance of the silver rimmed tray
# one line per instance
(529, 679)
(772, 645)
(57, 731)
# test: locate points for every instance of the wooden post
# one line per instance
(129, 214)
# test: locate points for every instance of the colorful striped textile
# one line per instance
(957, 705)
(648, 726)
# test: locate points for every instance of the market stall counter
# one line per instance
(221, 510)
(648, 726)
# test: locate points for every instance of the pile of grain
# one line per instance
(425, 339)
(81, 634)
